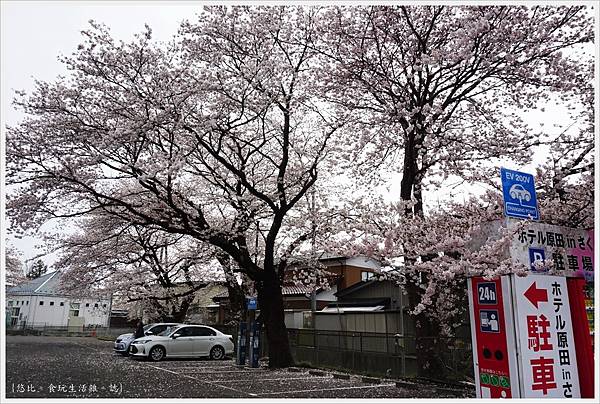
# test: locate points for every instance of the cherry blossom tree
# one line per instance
(13, 267)
(216, 136)
(143, 267)
(437, 91)
(439, 87)
(566, 182)
(435, 252)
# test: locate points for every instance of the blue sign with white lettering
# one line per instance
(518, 190)
(252, 303)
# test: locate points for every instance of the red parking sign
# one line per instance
(493, 338)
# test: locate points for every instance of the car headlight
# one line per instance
(141, 341)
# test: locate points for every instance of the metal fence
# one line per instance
(381, 354)
(73, 330)
(369, 353)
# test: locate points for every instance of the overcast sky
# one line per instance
(35, 33)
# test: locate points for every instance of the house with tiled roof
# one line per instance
(40, 302)
(341, 272)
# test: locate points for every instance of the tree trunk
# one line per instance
(270, 300)
(180, 310)
(236, 292)
(427, 334)
(427, 339)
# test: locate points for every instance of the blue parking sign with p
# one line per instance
(536, 254)
(518, 190)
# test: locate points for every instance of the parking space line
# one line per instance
(224, 371)
(201, 381)
(209, 367)
(331, 389)
(267, 380)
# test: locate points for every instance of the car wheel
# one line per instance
(156, 353)
(217, 353)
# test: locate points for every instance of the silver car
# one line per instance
(123, 341)
(184, 341)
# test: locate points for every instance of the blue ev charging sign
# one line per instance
(518, 190)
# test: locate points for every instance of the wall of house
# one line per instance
(394, 322)
(349, 274)
(398, 299)
(53, 311)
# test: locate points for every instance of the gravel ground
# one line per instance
(57, 367)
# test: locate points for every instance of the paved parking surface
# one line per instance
(57, 367)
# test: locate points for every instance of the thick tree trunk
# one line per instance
(237, 303)
(270, 300)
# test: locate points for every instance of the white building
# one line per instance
(41, 303)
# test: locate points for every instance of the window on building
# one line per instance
(51, 303)
(74, 310)
(104, 305)
(27, 302)
(10, 303)
(95, 304)
(62, 303)
(365, 276)
(87, 305)
(41, 302)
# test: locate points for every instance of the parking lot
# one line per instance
(55, 367)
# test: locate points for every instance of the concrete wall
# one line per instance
(53, 311)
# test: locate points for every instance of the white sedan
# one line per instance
(124, 340)
(184, 341)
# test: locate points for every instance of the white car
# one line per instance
(184, 341)
(124, 340)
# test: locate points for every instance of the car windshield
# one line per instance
(147, 326)
(168, 330)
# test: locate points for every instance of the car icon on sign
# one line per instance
(518, 192)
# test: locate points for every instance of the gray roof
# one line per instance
(46, 284)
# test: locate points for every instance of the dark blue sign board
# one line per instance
(488, 320)
(486, 293)
(536, 254)
(518, 190)
(252, 305)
